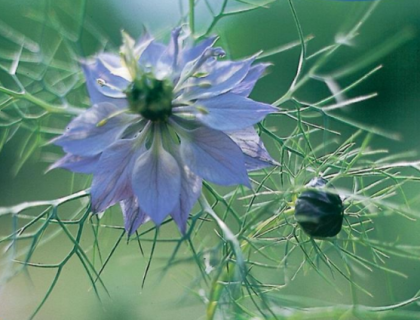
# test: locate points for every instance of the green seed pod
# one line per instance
(318, 212)
(150, 97)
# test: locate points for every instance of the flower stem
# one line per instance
(40, 103)
(227, 274)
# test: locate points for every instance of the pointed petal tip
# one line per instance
(181, 222)
(158, 220)
(96, 208)
(275, 163)
(182, 228)
(83, 62)
(53, 140)
(130, 231)
(157, 183)
(133, 216)
(99, 205)
(264, 66)
(232, 111)
(247, 183)
(176, 31)
(51, 167)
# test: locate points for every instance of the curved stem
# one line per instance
(40, 103)
(226, 274)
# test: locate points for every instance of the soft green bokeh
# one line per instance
(395, 109)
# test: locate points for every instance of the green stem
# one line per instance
(52, 203)
(40, 103)
(225, 274)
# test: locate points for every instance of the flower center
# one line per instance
(150, 97)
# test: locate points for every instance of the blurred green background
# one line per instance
(395, 109)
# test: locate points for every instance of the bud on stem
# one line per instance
(319, 213)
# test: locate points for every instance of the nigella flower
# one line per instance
(164, 117)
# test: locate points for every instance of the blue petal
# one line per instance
(77, 163)
(143, 43)
(195, 52)
(222, 77)
(169, 59)
(190, 191)
(112, 178)
(232, 112)
(157, 183)
(200, 65)
(152, 52)
(134, 217)
(213, 156)
(245, 87)
(151, 55)
(256, 155)
(105, 67)
(97, 96)
(86, 136)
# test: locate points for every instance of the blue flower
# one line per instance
(163, 118)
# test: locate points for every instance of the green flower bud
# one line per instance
(319, 213)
